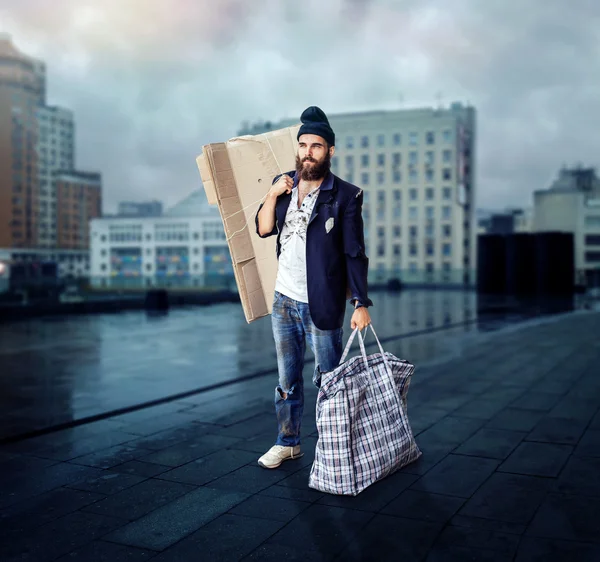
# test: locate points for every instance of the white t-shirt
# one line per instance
(291, 274)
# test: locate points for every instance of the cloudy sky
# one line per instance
(151, 81)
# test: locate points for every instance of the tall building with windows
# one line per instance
(22, 91)
(417, 169)
(55, 151)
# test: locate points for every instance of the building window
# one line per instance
(103, 238)
(429, 212)
(429, 249)
(396, 249)
(397, 232)
(430, 137)
(429, 193)
(380, 232)
(381, 159)
(413, 213)
(397, 195)
(380, 250)
(446, 230)
(447, 135)
(103, 253)
(380, 178)
(349, 161)
(381, 197)
(447, 156)
(380, 214)
(349, 142)
(397, 211)
(412, 250)
(429, 158)
(397, 139)
(364, 142)
(413, 176)
(446, 249)
(413, 139)
(447, 193)
(592, 256)
(412, 194)
(350, 177)
(429, 267)
(592, 221)
(413, 231)
(413, 157)
(429, 175)
(429, 231)
(447, 174)
(446, 212)
(364, 160)
(380, 140)
(334, 163)
(592, 239)
(364, 177)
(446, 266)
(397, 176)
(396, 159)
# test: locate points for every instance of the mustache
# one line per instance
(309, 159)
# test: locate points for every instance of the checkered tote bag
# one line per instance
(362, 420)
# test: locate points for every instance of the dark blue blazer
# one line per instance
(336, 263)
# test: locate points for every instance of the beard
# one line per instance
(316, 170)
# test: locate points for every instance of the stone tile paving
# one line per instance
(510, 433)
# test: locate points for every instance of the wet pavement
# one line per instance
(58, 370)
(508, 422)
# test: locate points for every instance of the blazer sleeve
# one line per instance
(274, 231)
(357, 262)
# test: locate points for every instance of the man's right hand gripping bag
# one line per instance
(362, 420)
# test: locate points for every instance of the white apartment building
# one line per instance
(417, 168)
(183, 248)
(55, 151)
(572, 204)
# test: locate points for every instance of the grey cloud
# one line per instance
(150, 84)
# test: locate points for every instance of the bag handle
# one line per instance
(349, 344)
(362, 349)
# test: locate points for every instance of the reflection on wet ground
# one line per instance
(60, 369)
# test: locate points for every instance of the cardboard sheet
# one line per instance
(236, 175)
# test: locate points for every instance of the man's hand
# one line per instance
(360, 319)
(284, 185)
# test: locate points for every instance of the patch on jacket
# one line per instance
(329, 224)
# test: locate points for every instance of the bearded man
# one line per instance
(317, 218)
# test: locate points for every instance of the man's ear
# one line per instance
(331, 151)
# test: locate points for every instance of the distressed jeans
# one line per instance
(292, 327)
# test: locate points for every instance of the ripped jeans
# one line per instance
(292, 326)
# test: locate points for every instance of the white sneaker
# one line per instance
(277, 454)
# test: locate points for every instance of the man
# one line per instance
(317, 218)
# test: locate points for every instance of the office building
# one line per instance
(79, 200)
(185, 247)
(140, 209)
(507, 222)
(417, 169)
(572, 204)
(55, 151)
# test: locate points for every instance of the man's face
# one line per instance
(314, 157)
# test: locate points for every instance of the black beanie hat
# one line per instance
(315, 122)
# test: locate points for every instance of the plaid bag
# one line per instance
(362, 420)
